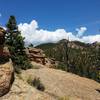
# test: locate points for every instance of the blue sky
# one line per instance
(54, 14)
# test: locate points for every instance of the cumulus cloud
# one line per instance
(81, 31)
(36, 36)
(91, 38)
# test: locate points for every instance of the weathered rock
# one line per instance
(6, 77)
(21, 90)
(2, 36)
(4, 52)
(62, 85)
(36, 55)
(34, 50)
(4, 55)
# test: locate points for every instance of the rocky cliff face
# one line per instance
(2, 36)
(2, 40)
(4, 52)
(6, 77)
(6, 68)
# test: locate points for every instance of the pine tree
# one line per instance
(13, 38)
(15, 42)
(11, 29)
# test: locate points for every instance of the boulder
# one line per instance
(4, 55)
(2, 36)
(6, 77)
(36, 55)
(4, 52)
(34, 50)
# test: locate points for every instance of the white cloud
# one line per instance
(91, 38)
(81, 31)
(34, 35)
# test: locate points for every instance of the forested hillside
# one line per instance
(76, 57)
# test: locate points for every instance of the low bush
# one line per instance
(21, 62)
(36, 83)
(17, 69)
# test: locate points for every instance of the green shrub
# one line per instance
(21, 62)
(17, 69)
(62, 66)
(26, 65)
(36, 83)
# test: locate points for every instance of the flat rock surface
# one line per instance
(59, 85)
(62, 84)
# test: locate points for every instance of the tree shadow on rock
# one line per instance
(3, 59)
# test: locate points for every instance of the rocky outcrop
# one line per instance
(2, 36)
(2, 39)
(4, 52)
(6, 77)
(21, 90)
(59, 85)
(6, 69)
(4, 55)
(36, 55)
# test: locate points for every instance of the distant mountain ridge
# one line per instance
(76, 57)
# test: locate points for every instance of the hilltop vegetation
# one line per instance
(76, 57)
